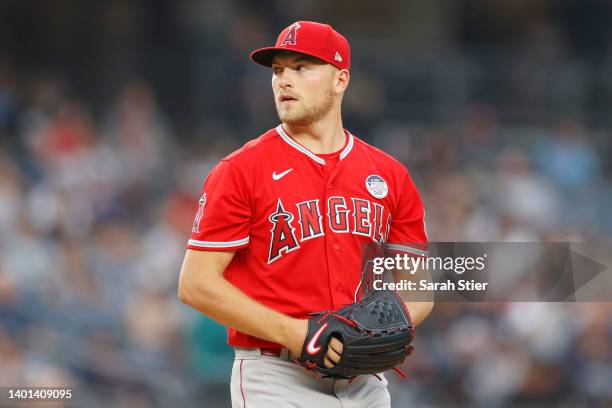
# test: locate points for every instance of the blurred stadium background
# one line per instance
(113, 112)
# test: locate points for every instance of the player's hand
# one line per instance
(334, 351)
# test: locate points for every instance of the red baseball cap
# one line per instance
(310, 38)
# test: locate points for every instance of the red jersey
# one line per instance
(299, 222)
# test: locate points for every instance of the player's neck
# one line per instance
(321, 137)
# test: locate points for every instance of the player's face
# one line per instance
(303, 88)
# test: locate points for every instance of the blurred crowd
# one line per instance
(98, 193)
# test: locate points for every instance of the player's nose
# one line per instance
(285, 83)
(285, 79)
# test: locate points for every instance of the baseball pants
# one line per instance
(261, 381)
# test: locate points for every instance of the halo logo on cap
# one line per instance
(291, 37)
(316, 40)
(377, 186)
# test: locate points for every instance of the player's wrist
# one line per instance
(293, 334)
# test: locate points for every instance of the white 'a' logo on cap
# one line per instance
(338, 57)
(291, 36)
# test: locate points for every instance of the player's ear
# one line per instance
(341, 80)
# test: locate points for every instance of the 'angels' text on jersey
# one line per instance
(368, 219)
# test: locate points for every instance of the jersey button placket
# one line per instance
(332, 249)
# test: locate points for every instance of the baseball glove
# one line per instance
(376, 333)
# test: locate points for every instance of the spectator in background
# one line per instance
(141, 137)
(568, 158)
(527, 201)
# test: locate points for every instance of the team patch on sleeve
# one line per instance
(222, 219)
(198, 218)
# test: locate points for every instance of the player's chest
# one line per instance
(295, 205)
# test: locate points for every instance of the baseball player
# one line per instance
(280, 231)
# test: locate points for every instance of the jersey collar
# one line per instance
(302, 149)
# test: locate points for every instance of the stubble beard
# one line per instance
(307, 115)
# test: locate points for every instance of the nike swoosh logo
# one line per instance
(312, 348)
(280, 175)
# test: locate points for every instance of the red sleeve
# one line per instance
(407, 232)
(223, 218)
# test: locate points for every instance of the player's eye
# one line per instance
(302, 67)
(277, 70)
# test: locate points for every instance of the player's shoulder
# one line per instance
(252, 149)
(378, 155)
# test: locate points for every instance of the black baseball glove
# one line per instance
(376, 334)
